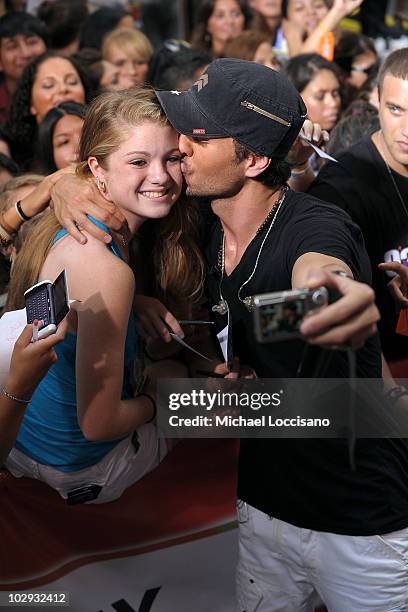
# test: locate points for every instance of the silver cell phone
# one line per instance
(278, 316)
(48, 301)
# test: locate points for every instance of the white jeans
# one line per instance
(119, 469)
(281, 568)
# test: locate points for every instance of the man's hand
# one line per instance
(73, 198)
(153, 319)
(349, 321)
(398, 286)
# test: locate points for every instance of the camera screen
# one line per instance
(60, 298)
(281, 319)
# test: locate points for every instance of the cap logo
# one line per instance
(198, 131)
(265, 113)
(202, 81)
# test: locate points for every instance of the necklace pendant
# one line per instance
(221, 308)
(249, 303)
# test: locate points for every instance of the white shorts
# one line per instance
(282, 568)
(119, 469)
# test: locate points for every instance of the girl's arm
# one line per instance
(34, 203)
(29, 364)
(105, 286)
(339, 10)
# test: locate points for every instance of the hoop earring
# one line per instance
(101, 185)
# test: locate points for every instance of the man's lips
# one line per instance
(403, 145)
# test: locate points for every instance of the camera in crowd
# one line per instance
(278, 316)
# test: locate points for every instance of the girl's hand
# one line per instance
(40, 198)
(345, 7)
(31, 361)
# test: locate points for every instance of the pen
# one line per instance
(185, 322)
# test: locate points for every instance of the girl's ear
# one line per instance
(99, 175)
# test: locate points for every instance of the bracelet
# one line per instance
(13, 397)
(296, 174)
(20, 211)
(153, 404)
(394, 394)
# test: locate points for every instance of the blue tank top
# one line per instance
(50, 432)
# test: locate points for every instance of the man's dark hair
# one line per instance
(45, 148)
(9, 164)
(352, 129)
(301, 69)
(99, 24)
(395, 64)
(182, 68)
(19, 22)
(275, 175)
(64, 20)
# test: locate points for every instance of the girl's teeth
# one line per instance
(153, 194)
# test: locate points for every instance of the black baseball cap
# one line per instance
(251, 103)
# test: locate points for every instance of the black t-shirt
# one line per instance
(361, 185)
(309, 483)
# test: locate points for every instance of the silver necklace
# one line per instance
(222, 307)
(394, 182)
(397, 189)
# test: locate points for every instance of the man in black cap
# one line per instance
(300, 501)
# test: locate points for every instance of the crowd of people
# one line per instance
(173, 184)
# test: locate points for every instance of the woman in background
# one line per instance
(318, 82)
(46, 82)
(253, 47)
(130, 51)
(218, 21)
(59, 135)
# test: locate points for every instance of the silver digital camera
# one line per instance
(278, 316)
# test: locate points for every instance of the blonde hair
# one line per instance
(7, 189)
(133, 42)
(175, 259)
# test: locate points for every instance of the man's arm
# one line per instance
(351, 319)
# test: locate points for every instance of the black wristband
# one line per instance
(153, 404)
(21, 212)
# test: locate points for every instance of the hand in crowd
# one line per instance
(71, 210)
(347, 322)
(301, 151)
(40, 197)
(398, 286)
(345, 7)
(153, 319)
(31, 361)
